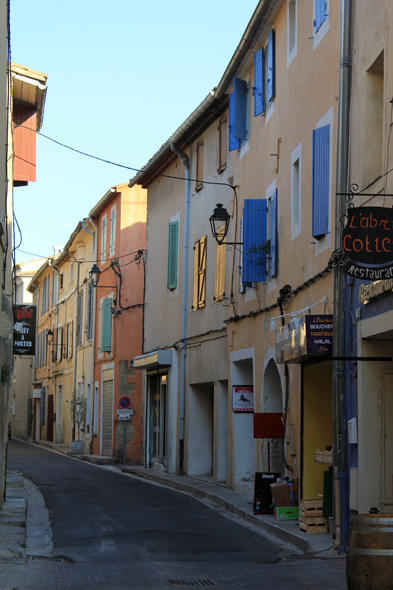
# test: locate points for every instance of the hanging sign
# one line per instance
(310, 337)
(242, 398)
(368, 240)
(24, 330)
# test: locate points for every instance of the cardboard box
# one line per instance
(280, 493)
(291, 513)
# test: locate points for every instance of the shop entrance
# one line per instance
(200, 428)
(272, 402)
(317, 424)
(157, 418)
(387, 443)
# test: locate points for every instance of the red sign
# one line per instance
(124, 402)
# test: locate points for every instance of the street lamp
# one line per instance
(219, 216)
(94, 275)
(49, 335)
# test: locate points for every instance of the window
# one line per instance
(112, 240)
(45, 295)
(90, 303)
(238, 109)
(199, 299)
(373, 121)
(320, 182)
(105, 327)
(103, 239)
(272, 234)
(291, 30)
(53, 290)
(296, 222)
(254, 240)
(80, 318)
(71, 272)
(199, 166)
(219, 294)
(61, 281)
(222, 145)
(173, 254)
(58, 348)
(320, 14)
(80, 252)
(270, 67)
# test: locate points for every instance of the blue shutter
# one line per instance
(255, 234)
(320, 14)
(240, 107)
(273, 235)
(259, 106)
(270, 67)
(234, 143)
(106, 342)
(320, 181)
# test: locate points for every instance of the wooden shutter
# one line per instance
(234, 142)
(220, 268)
(113, 230)
(254, 234)
(273, 235)
(196, 275)
(270, 67)
(222, 147)
(240, 106)
(199, 167)
(172, 254)
(100, 328)
(103, 239)
(71, 342)
(61, 335)
(320, 14)
(199, 298)
(106, 325)
(259, 104)
(320, 182)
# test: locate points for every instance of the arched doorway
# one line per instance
(272, 402)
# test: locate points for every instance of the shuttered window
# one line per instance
(234, 142)
(270, 82)
(103, 239)
(254, 235)
(199, 166)
(272, 204)
(173, 254)
(199, 299)
(113, 232)
(320, 182)
(240, 107)
(219, 294)
(259, 86)
(222, 146)
(105, 336)
(320, 14)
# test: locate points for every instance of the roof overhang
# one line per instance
(153, 360)
(29, 88)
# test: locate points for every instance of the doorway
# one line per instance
(272, 402)
(49, 427)
(387, 443)
(158, 385)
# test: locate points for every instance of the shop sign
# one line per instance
(242, 399)
(311, 336)
(37, 393)
(374, 290)
(24, 330)
(368, 240)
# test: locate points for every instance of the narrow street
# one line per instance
(110, 530)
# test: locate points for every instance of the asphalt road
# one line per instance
(114, 531)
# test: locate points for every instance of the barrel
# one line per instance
(370, 552)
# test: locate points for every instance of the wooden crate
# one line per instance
(312, 507)
(311, 519)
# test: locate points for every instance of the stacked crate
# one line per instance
(311, 519)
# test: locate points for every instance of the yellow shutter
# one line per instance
(70, 344)
(202, 273)
(196, 268)
(220, 268)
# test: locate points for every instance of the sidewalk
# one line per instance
(240, 504)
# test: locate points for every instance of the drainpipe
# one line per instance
(186, 162)
(339, 420)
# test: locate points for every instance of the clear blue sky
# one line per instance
(123, 75)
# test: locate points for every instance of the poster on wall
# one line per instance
(24, 330)
(242, 398)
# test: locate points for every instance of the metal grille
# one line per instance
(191, 582)
(107, 419)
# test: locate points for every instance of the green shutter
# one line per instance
(172, 254)
(106, 332)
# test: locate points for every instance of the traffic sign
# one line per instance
(125, 413)
(125, 417)
(124, 402)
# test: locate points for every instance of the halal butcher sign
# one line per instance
(24, 330)
(368, 240)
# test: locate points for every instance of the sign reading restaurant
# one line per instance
(24, 330)
(368, 240)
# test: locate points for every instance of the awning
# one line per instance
(153, 360)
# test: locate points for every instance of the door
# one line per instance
(49, 431)
(158, 400)
(387, 443)
(107, 418)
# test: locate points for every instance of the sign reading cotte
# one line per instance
(24, 330)
(368, 240)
